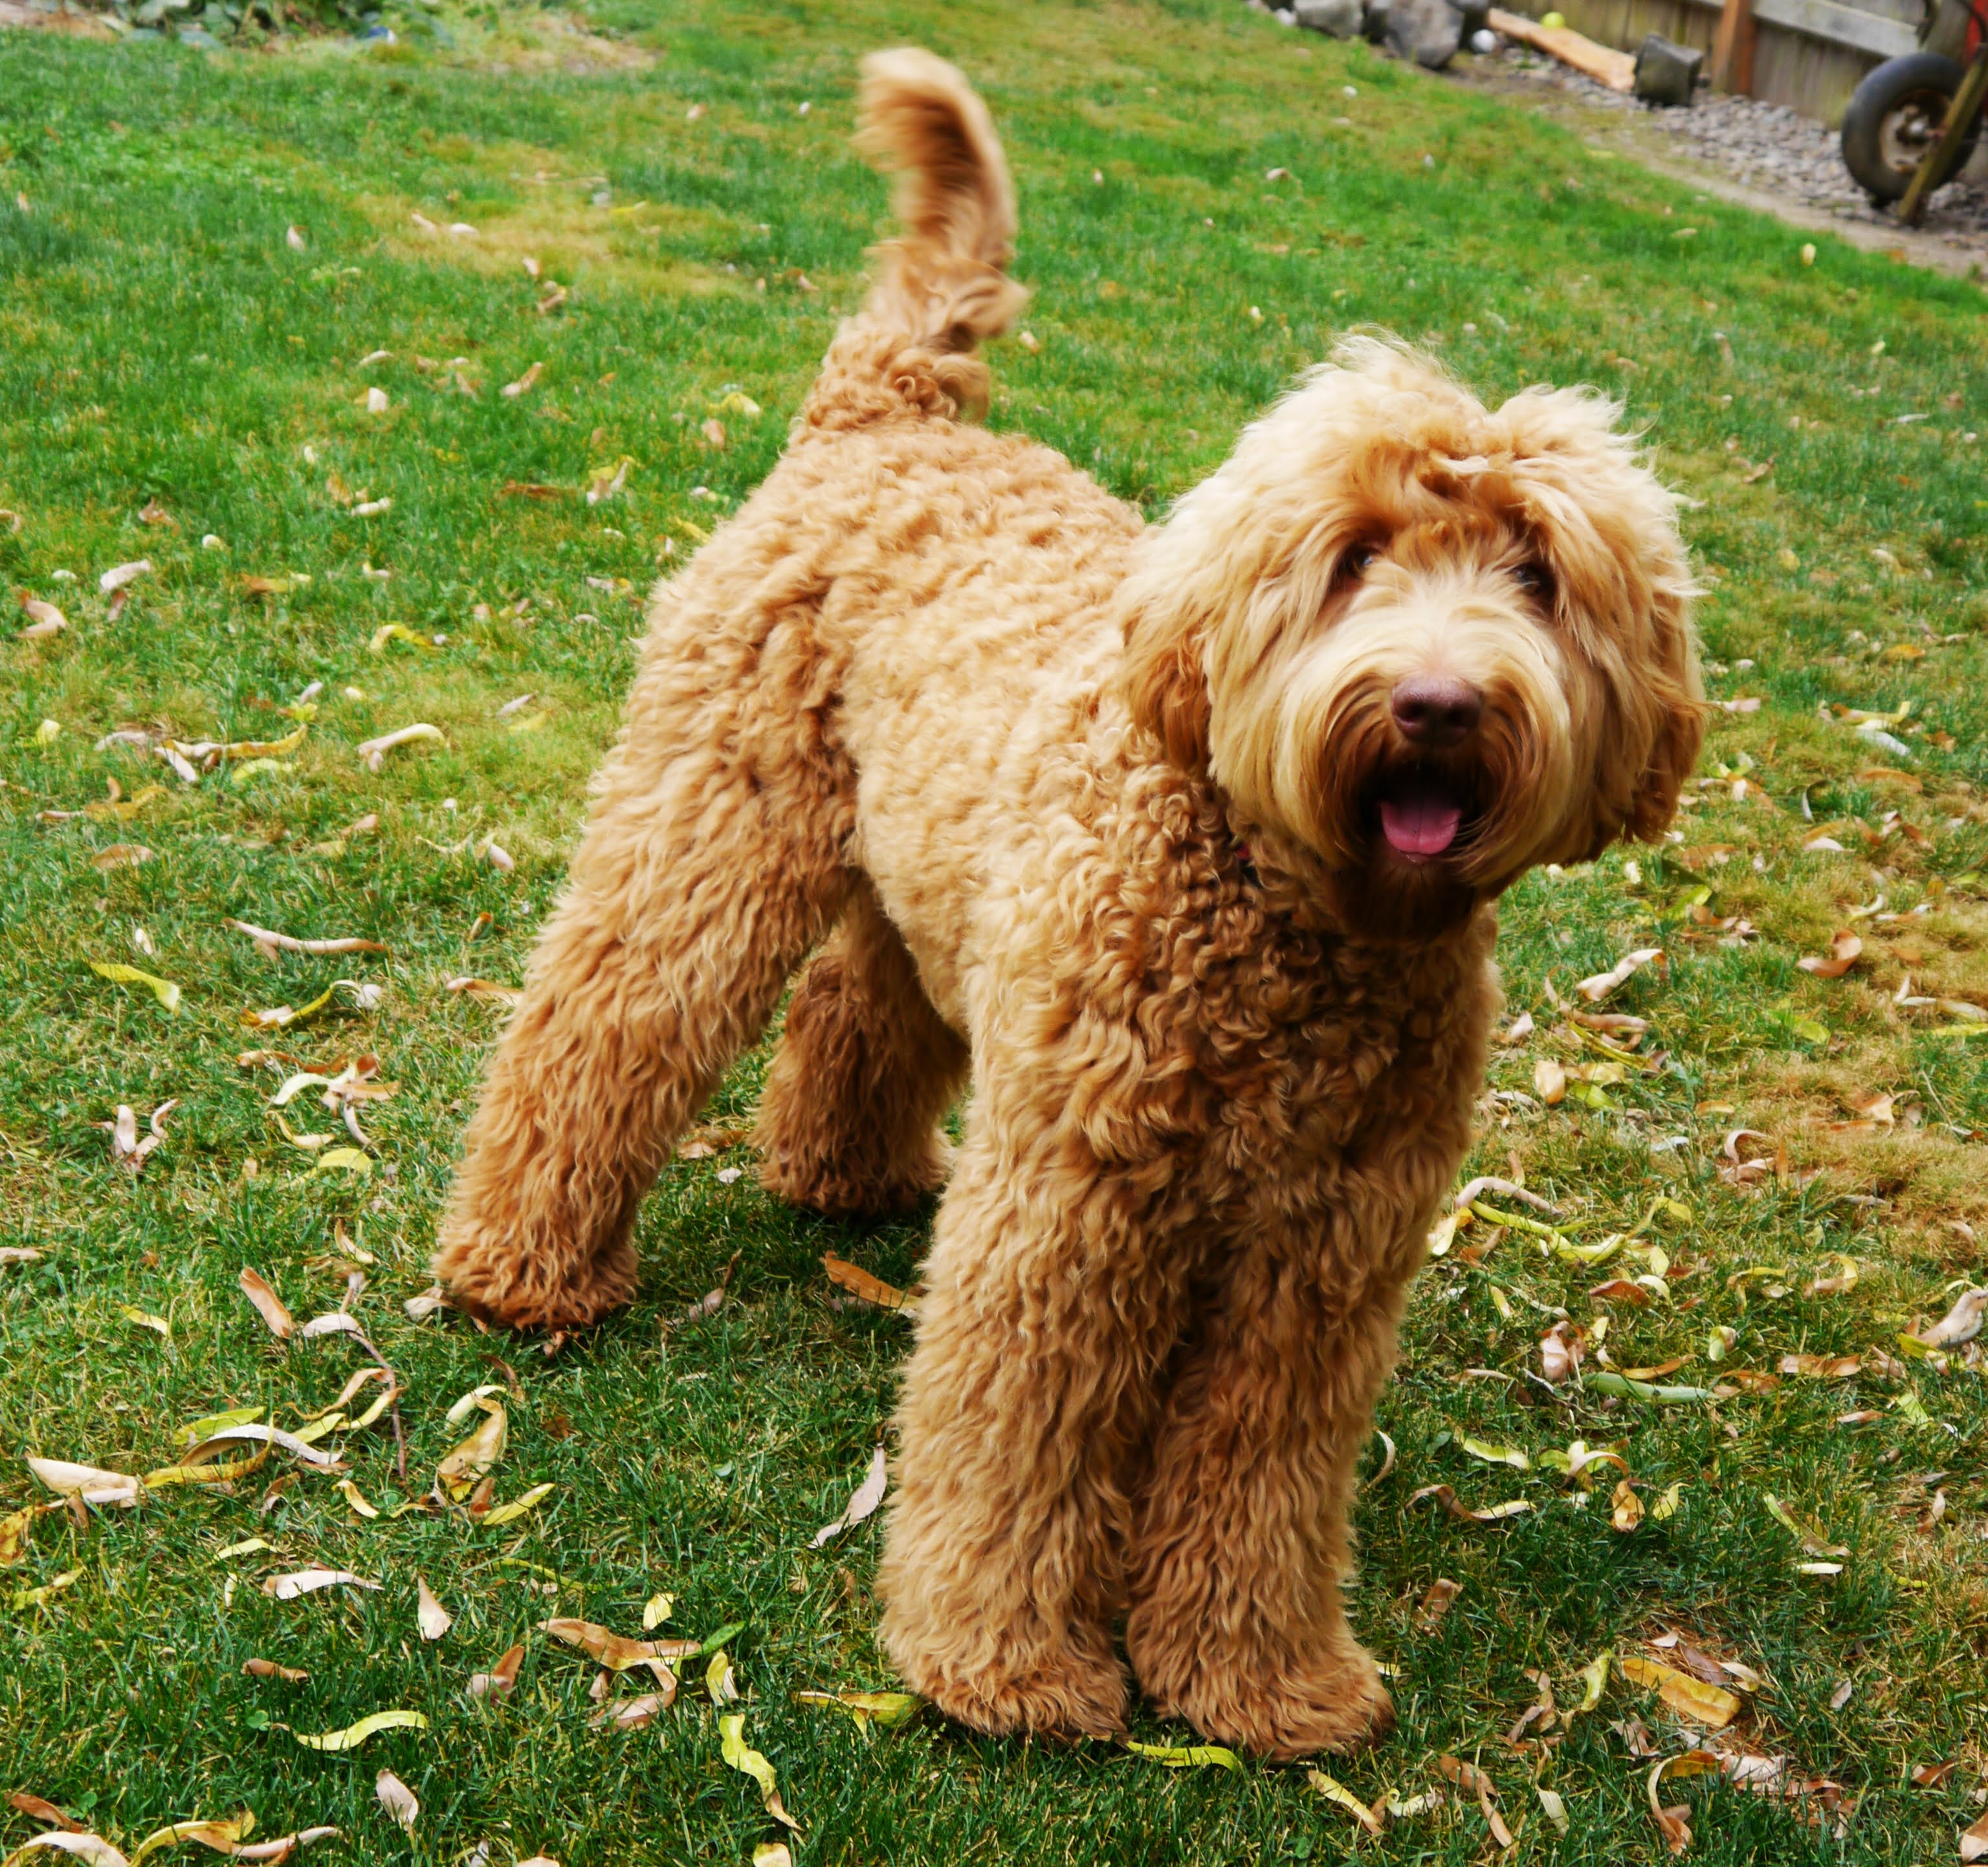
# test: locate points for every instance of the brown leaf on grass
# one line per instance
(708, 1142)
(1621, 1290)
(1550, 1081)
(1625, 1511)
(1933, 1776)
(269, 1668)
(501, 1677)
(486, 991)
(41, 1811)
(1844, 948)
(861, 1285)
(523, 384)
(269, 1305)
(1436, 1601)
(15, 1531)
(434, 1620)
(121, 856)
(862, 1504)
(1560, 1350)
(634, 1714)
(1711, 1706)
(44, 619)
(1673, 1822)
(1468, 1777)
(713, 431)
(1821, 1366)
(1974, 1841)
(617, 1652)
(1446, 1496)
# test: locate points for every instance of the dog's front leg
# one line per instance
(1026, 1405)
(1236, 1623)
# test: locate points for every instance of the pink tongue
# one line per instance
(1420, 826)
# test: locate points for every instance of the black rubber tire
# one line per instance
(1913, 84)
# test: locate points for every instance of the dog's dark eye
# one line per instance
(1537, 582)
(1355, 562)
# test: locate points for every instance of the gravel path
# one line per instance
(1762, 146)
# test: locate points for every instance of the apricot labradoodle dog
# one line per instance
(1181, 844)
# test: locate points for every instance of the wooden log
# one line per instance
(1616, 70)
(1732, 48)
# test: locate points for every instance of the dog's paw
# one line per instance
(1284, 1716)
(525, 1293)
(1068, 1697)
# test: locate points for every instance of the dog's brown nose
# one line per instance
(1437, 710)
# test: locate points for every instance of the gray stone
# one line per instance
(1341, 19)
(1428, 32)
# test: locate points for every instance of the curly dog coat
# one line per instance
(1183, 842)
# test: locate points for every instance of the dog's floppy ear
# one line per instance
(1163, 676)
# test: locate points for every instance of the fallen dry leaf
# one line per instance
(352, 1736)
(300, 1582)
(269, 1305)
(860, 1284)
(374, 751)
(1844, 948)
(1712, 1707)
(269, 1668)
(1961, 1324)
(1496, 1513)
(85, 1481)
(1596, 989)
(1335, 1791)
(1436, 1601)
(477, 1457)
(1673, 1822)
(269, 943)
(617, 1652)
(433, 1618)
(862, 1503)
(501, 1677)
(397, 1800)
(1625, 1511)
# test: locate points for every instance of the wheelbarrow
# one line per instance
(1913, 122)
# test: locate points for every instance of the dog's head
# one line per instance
(1434, 644)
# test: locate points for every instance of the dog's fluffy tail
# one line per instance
(942, 284)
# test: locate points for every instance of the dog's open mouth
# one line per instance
(1422, 814)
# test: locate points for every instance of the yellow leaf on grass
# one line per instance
(1496, 1454)
(1333, 1790)
(887, 1709)
(222, 1837)
(1673, 1822)
(1186, 1757)
(397, 632)
(1625, 1510)
(144, 1319)
(41, 1597)
(357, 1500)
(343, 1160)
(658, 1609)
(518, 1507)
(477, 1456)
(15, 1531)
(119, 974)
(354, 1735)
(742, 1757)
(1712, 1706)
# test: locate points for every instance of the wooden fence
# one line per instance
(1806, 54)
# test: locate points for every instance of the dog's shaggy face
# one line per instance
(1434, 644)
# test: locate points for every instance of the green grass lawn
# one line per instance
(174, 367)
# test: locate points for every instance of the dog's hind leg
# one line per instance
(1236, 1624)
(865, 1070)
(712, 864)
